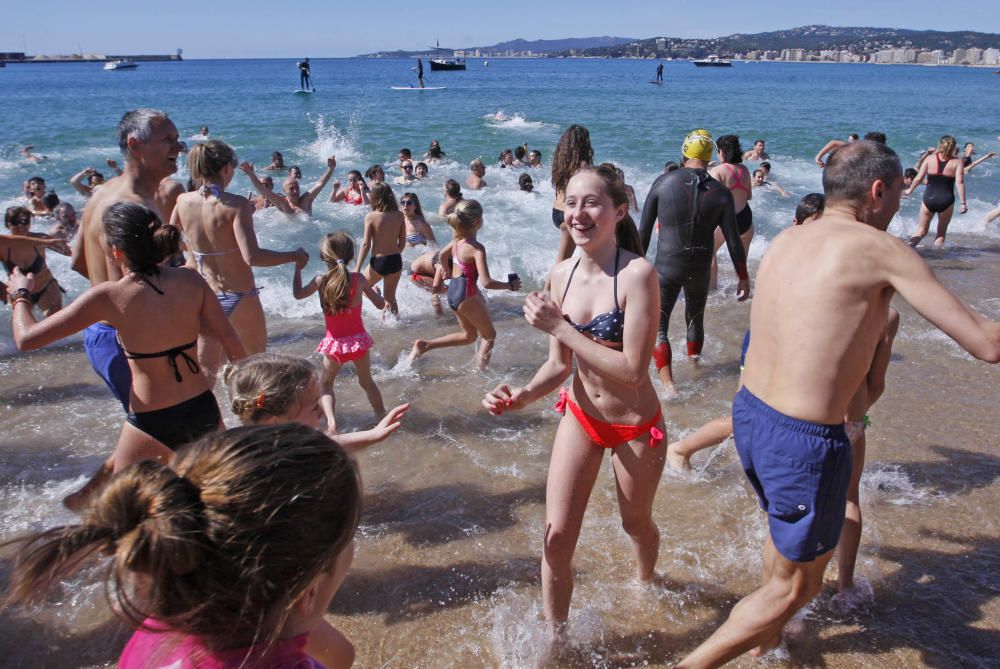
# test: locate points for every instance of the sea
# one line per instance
(447, 566)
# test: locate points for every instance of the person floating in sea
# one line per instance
(305, 79)
(835, 144)
(689, 205)
(604, 315)
(839, 276)
(943, 176)
(659, 73)
(475, 180)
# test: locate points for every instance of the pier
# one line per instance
(17, 57)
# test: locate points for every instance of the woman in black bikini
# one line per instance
(606, 317)
(154, 308)
(944, 172)
(30, 259)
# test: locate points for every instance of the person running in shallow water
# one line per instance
(689, 205)
(943, 175)
(839, 277)
(603, 313)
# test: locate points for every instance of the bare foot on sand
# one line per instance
(419, 348)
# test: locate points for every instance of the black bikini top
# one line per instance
(171, 354)
(34, 268)
(609, 327)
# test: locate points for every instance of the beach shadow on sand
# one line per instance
(413, 591)
(440, 514)
(956, 472)
(933, 604)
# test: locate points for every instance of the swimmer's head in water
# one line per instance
(453, 189)
(875, 137)
(477, 167)
(698, 145)
(809, 208)
(758, 177)
(266, 387)
(65, 213)
(525, 183)
(420, 170)
(294, 172)
(909, 174)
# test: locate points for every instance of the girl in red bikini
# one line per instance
(346, 339)
(604, 312)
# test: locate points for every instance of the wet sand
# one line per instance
(447, 568)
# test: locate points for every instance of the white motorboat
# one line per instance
(121, 64)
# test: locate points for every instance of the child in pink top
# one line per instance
(346, 339)
(229, 559)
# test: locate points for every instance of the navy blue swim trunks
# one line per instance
(801, 472)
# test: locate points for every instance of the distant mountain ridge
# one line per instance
(518, 45)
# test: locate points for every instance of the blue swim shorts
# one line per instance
(100, 342)
(801, 472)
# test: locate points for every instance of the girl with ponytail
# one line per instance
(346, 339)
(230, 559)
(159, 312)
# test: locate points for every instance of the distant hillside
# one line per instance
(517, 46)
(815, 37)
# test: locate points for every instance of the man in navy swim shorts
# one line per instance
(820, 310)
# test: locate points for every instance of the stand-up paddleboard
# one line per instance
(658, 83)
(299, 91)
(417, 88)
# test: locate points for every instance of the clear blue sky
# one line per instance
(249, 28)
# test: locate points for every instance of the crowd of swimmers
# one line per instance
(228, 545)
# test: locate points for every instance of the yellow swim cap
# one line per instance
(698, 145)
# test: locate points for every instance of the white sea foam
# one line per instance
(516, 121)
(331, 140)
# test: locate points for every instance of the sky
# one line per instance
(253, 29)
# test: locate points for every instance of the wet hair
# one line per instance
(519, 152)
(371, 170)
(419, 165)
(626, 234)
(852, 170)
(50, 200)
(382, 198)
(268, 179)
(18, 215)
(266, 385)
(525, 183)
(206, 161)
(810, 205)
(417, 209)
(504, 154)
(337, 251)
(572, 152)
(477, 163)
(670, 166)
(407, 153)
(464, 218)
(909, 173)
(966, 161)
(434, 150)
(947, 145)
(354, 173)
(755, 142)
(222, 543)
(203, 129)
(875, 137)
(765, 167)
(63, 206)
(296, 168)
(730, 150)
(535, 152)
(277, 157)
(968, 144)
(453, 189)
(854, 136)
(137, 232)
(756, 172)
(37, 180)
(138, 123)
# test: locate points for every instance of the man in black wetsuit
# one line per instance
(305, 83)
(690, 205)
(659, 73)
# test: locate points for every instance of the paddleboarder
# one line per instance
(659, 73)
(420, 72)
(305, 83)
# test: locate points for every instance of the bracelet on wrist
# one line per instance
(21, 292)
(18, 300)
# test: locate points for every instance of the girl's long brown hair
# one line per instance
(337, 251)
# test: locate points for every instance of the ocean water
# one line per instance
(448, 556)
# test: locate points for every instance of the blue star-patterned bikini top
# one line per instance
(609, 327)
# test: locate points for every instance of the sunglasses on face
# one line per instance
(406, 203)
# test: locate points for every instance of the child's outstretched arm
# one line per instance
(298, 290)
(356, 441)
(371, 293)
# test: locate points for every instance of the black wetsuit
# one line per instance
(420, 72)
(939, 194)
(659, 72)
(689, 205)
(304, 81)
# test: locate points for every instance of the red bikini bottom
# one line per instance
(609, 435)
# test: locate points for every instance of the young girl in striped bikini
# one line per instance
(346, 340)
(606, 316)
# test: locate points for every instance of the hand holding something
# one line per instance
(542, 313)
(112, 163)
(503, 398)
(743, 290)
